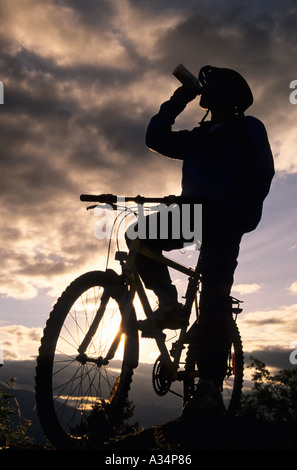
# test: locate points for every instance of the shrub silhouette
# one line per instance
(13, 427)
(273, 397)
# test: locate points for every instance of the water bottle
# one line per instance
(187, 78)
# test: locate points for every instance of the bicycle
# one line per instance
(90, 347)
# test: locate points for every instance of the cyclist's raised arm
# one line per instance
(160, 137)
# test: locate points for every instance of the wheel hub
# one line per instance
(100, 361)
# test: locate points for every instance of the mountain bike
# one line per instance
(90, 346)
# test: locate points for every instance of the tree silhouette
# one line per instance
(13, 427)
(273, 397)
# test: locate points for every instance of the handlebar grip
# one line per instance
(99, 198)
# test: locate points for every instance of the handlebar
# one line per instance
(112, 199)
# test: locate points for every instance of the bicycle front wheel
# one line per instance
(86, 361)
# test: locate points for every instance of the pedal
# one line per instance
(236, 311)
(153, 334)
(121, 256)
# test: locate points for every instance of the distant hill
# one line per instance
(158, 417)
(150, 409)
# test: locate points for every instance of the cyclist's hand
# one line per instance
(184, 94)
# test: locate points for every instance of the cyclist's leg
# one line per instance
(218, 261)
(155, 275)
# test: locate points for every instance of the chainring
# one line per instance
(161, 384)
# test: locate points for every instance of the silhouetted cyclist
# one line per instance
(228, 167)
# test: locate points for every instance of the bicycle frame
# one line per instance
(135, 286)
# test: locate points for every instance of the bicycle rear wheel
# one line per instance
(233, 382)
(82, 384)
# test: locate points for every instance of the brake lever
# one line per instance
(103, 206)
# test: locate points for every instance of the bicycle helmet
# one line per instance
(235, 86)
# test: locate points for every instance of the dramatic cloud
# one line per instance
(293, 287)
(81, 82)
(19, 342)
(269, 329)
(246, 288)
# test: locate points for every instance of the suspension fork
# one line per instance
(93, 328)
(117, 291)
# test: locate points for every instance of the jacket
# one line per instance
(229, 165)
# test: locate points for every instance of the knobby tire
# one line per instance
(77, 403)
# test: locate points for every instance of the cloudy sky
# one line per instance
(81, 82)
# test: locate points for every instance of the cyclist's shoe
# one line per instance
(206, 401)
(168, 316)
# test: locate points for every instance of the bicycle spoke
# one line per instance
(78, 386)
